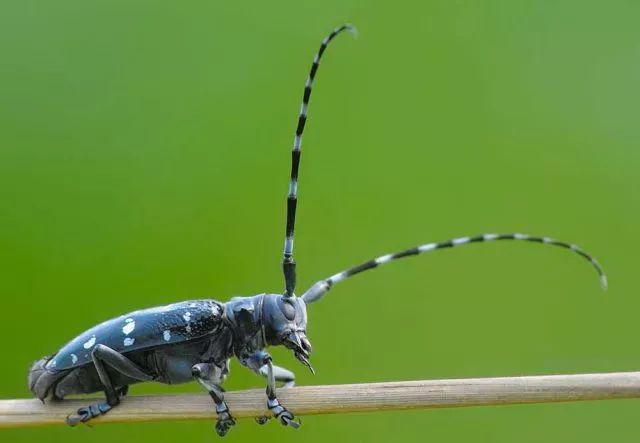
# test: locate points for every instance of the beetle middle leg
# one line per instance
(103, 356)
(210, 376)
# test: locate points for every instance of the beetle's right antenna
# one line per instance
(318, 290)
(288, 265)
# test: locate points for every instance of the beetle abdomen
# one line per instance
(41, 381)
(147, 328)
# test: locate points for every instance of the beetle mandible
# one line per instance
(195, 340)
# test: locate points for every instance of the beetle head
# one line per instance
(285, 322)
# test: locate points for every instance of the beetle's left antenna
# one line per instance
(288, 265)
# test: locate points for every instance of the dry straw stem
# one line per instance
(308, 400)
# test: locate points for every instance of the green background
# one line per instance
(144, 155)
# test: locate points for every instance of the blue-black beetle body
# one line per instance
(175, 344)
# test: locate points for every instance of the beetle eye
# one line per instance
(288, 310)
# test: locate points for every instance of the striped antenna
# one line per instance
(288, 265)
(318, 290)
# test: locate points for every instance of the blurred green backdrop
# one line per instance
(144, 155)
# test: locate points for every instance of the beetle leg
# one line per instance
(118, 362)
(281, 375)
(102, 356)
(279, 411)
(209, 376)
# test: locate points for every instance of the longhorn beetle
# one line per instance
(194, 340)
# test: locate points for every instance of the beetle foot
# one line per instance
(225, 420)
(85, 414)
(282, 414)
(262, 420)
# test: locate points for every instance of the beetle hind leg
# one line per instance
(86, 413)
(103, 356)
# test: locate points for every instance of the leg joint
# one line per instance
(98, 350)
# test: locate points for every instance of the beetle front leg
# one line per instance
(210, 376)
(281, 375)
(278, 411)
(261, 363)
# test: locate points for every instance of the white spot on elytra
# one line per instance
(129, 326)
(167, 335)
(188, 328)
(187, 316)
(74, 359)
(53, 363)
(193, 305)
(89, 343)
(129, 341)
